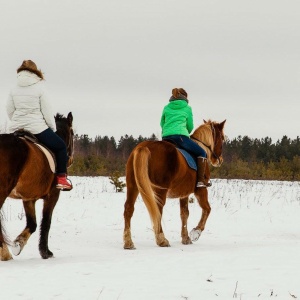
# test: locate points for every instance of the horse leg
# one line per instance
(49, 203)
(184, 214)
(159, 235)
(21, 240)
(4, 251)
(202, 197)
(132, 193)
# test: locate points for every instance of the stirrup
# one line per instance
(209, 184)
(63, 188)
(200, 184)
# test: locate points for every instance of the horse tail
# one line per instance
(140, 166)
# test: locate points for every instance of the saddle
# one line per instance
(190, 159)
(28, 136)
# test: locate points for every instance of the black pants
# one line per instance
(52, 141)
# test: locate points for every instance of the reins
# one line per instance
(209, 146)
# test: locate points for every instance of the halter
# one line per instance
(209, 146)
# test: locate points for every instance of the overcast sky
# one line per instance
(114, 63)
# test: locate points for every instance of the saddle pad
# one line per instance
(189, 159)
(48, 155)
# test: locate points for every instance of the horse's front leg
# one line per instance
(202, 197)
(184, 214)
(21, 240)
(49, 203)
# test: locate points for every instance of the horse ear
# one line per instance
(204, 121)
(221, 125)
(70, 118)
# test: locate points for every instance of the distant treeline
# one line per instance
(244, 158)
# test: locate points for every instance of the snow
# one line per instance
(249, 250)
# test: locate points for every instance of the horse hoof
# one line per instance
(187, 241)
(6, 258)
(195, 234)
(129, 247)
(5, 254)
(46, 254)
(164, 243)
(16, 248)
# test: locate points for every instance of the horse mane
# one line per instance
(203, 129)
(59, 117)
(61, 121)
(203, 134)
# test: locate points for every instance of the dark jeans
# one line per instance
(52, 141)
(187, 144)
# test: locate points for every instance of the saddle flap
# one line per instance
(189, 159)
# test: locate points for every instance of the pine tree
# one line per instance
(115, 180)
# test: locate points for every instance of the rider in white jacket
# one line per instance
(27, 108)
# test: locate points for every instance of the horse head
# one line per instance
(65, 131)
(210, 136)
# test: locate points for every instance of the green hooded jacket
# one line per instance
(177, 119)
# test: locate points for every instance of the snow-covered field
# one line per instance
(249, 250)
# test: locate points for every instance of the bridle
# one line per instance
(70, 147)
(214, 134)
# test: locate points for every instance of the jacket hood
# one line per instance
(26, 78)
(177, 104)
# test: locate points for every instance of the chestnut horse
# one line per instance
(25, 174)
(157, 170)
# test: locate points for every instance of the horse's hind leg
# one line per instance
(202, 197)
(4, 252)
(184, 214)
(49, 204)
(132, 193)
(159, 236)
(21, 240)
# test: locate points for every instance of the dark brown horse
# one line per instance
(157, 170)
(25, 174)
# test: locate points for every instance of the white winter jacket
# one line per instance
(27, 106)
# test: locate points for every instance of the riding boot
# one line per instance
(63, 183)
(201, 165)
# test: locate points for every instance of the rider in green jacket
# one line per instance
(177, 123)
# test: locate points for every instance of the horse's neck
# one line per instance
(203, 133)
